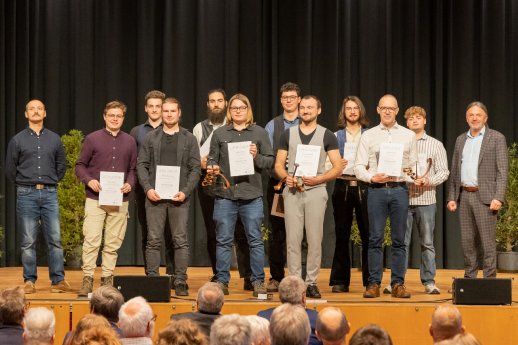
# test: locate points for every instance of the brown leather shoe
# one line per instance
(399, 291)
(372, 291)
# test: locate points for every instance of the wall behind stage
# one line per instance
(78, 55)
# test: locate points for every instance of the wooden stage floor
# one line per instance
(406, 320)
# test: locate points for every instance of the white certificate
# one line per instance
(240, 159)
(167, 181)
(350, 157)
(307, 158)
(391, 159)
(205, 148)
(111, 184)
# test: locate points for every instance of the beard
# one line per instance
(217, 116)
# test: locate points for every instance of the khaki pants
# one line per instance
(96, 217)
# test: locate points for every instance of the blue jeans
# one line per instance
(225, 217)
(381, 203)
(34, 209)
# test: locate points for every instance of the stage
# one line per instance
(406, 320)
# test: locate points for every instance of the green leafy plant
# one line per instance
(265, 231)
(355, 234)
(507, 225)
(71, 196)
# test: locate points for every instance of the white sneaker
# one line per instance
(431, 289)
(387, 290)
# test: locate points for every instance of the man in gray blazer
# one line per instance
(166, 146)
(477, 185)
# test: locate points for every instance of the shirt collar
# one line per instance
(295, 120)
(110, 133)
(383, 128)
(481, 134)
(230, 127)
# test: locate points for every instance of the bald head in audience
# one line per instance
(332, 326)
(136, 319)
(446, 323)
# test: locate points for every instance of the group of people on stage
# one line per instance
(384, 171)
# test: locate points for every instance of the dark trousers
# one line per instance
(276, 238)
(347, 199)
(140, 199)
(240, 240)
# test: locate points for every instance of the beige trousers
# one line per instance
(113, 220)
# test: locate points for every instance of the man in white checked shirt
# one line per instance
(422, 202)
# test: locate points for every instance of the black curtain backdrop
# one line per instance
(78, 55)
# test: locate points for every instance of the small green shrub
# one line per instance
(507, 225)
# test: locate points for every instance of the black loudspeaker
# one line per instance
(489, 291)
(153, 289)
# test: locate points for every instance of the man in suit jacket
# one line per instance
(477, 185)
(209, 303)
(169, 145)
(292, 290)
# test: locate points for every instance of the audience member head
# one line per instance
(88, 322)
(446, 323)
(292, 289)
(39, 326)
(460, 339)
(136, 318)
(210, 298)
(182, 332)
(230, 329)
(289, 325)
(12, 306)
(106, 301)
(332, 326)
(97, 336)
(370, 335)
(260, 328)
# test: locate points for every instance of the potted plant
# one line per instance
(71, 196)
(507, 224)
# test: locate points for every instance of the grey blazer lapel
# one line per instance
(179, 149)
(485, 144)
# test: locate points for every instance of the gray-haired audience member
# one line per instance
(292, 290)
(209, 302)
(332, 326)
(231, 329)
(446, 323)
(12, 311)
(370, 335)
(136, 322)
(107, 301)
(40, 326)
(260, 328)
(289, 325)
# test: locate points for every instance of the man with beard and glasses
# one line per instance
(216, 118)
(349, 195)
(153, 108)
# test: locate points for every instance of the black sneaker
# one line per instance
(247, 285)
(224, 287)
(181, 289)
(313, 292)
(340, 288)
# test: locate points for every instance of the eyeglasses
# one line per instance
(388, 109)
(289, 98)
(113, 116)
(351, 108)
(241, 108)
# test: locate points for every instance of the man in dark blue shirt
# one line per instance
(35, 161)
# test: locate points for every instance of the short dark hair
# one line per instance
(319, 105)
(289, 86)
(154, 94)
(217, 90)
(106, 301)
(174, 101)
(370, 334)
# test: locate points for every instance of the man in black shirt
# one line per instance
(35, 161)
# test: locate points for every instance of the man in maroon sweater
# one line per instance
(106, 150)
